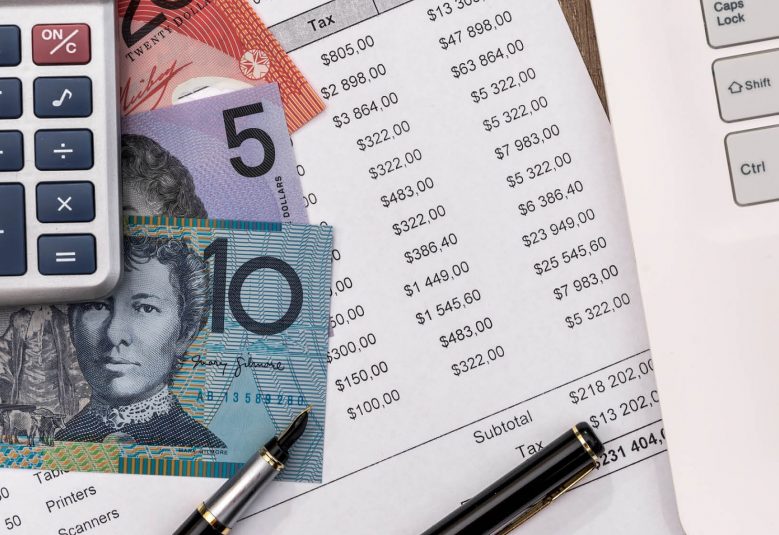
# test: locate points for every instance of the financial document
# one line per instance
(484, 289)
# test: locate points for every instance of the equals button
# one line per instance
(72, 254)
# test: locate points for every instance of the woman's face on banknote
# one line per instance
(128, 343)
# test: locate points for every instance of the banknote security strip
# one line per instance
(483, 283)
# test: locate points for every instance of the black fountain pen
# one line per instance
(529, 488)
(218, 514)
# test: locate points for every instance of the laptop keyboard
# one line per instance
(747, 87)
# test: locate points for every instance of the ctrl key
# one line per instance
(754, 165)
(72, 254)
(13, 253)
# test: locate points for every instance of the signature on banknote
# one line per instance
(154, 85)
(241, 364)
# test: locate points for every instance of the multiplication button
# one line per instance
(13, 255)
(66, 254)
(63, 150)
(65, 202)
(11, 151)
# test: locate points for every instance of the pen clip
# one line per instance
(545, 501)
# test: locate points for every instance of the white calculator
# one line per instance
(60, 218)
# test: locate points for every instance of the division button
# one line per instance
(10, 98)
(61, 44)
(63, 150)
(13, 255)
(11, 151)
(72, 254)
(65, 202)
(63, 97)
(754, 165)
(10, 46)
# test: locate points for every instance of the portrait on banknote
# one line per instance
(155, 182)
(130, 345)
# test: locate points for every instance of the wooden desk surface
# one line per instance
(579, 17)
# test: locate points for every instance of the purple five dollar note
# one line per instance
(223, 157)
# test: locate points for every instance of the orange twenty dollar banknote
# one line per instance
(175, 50)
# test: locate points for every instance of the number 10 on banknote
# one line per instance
(215, 337)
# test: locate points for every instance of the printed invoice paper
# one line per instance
(484, 289)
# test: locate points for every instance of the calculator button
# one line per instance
(61, 44)
(66, 202)
(63, 150)
(63, 97)
(11, 151)
(66, 254)
(10, 46)
(10, 98)
(13, 256)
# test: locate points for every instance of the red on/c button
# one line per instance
(61, 44)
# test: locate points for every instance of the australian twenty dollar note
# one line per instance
(171, 49)
(223, 157)
(214, 340)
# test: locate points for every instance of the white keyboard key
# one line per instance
(754, 165)
(748, 86)
(734, 22)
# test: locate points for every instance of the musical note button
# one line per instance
(63, 97)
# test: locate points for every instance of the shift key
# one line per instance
(13, 255)
(748, 85)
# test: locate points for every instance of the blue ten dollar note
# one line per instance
(214, 340)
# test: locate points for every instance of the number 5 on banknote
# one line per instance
(216, 335)
(235, 139)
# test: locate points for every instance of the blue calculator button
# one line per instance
(11, 151)
(63, 97)
(10, 46)
(10, 98)
(13, 254)
(63, 150)
(66, 202)
(72, 254)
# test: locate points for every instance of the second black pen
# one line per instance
(528, 488)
